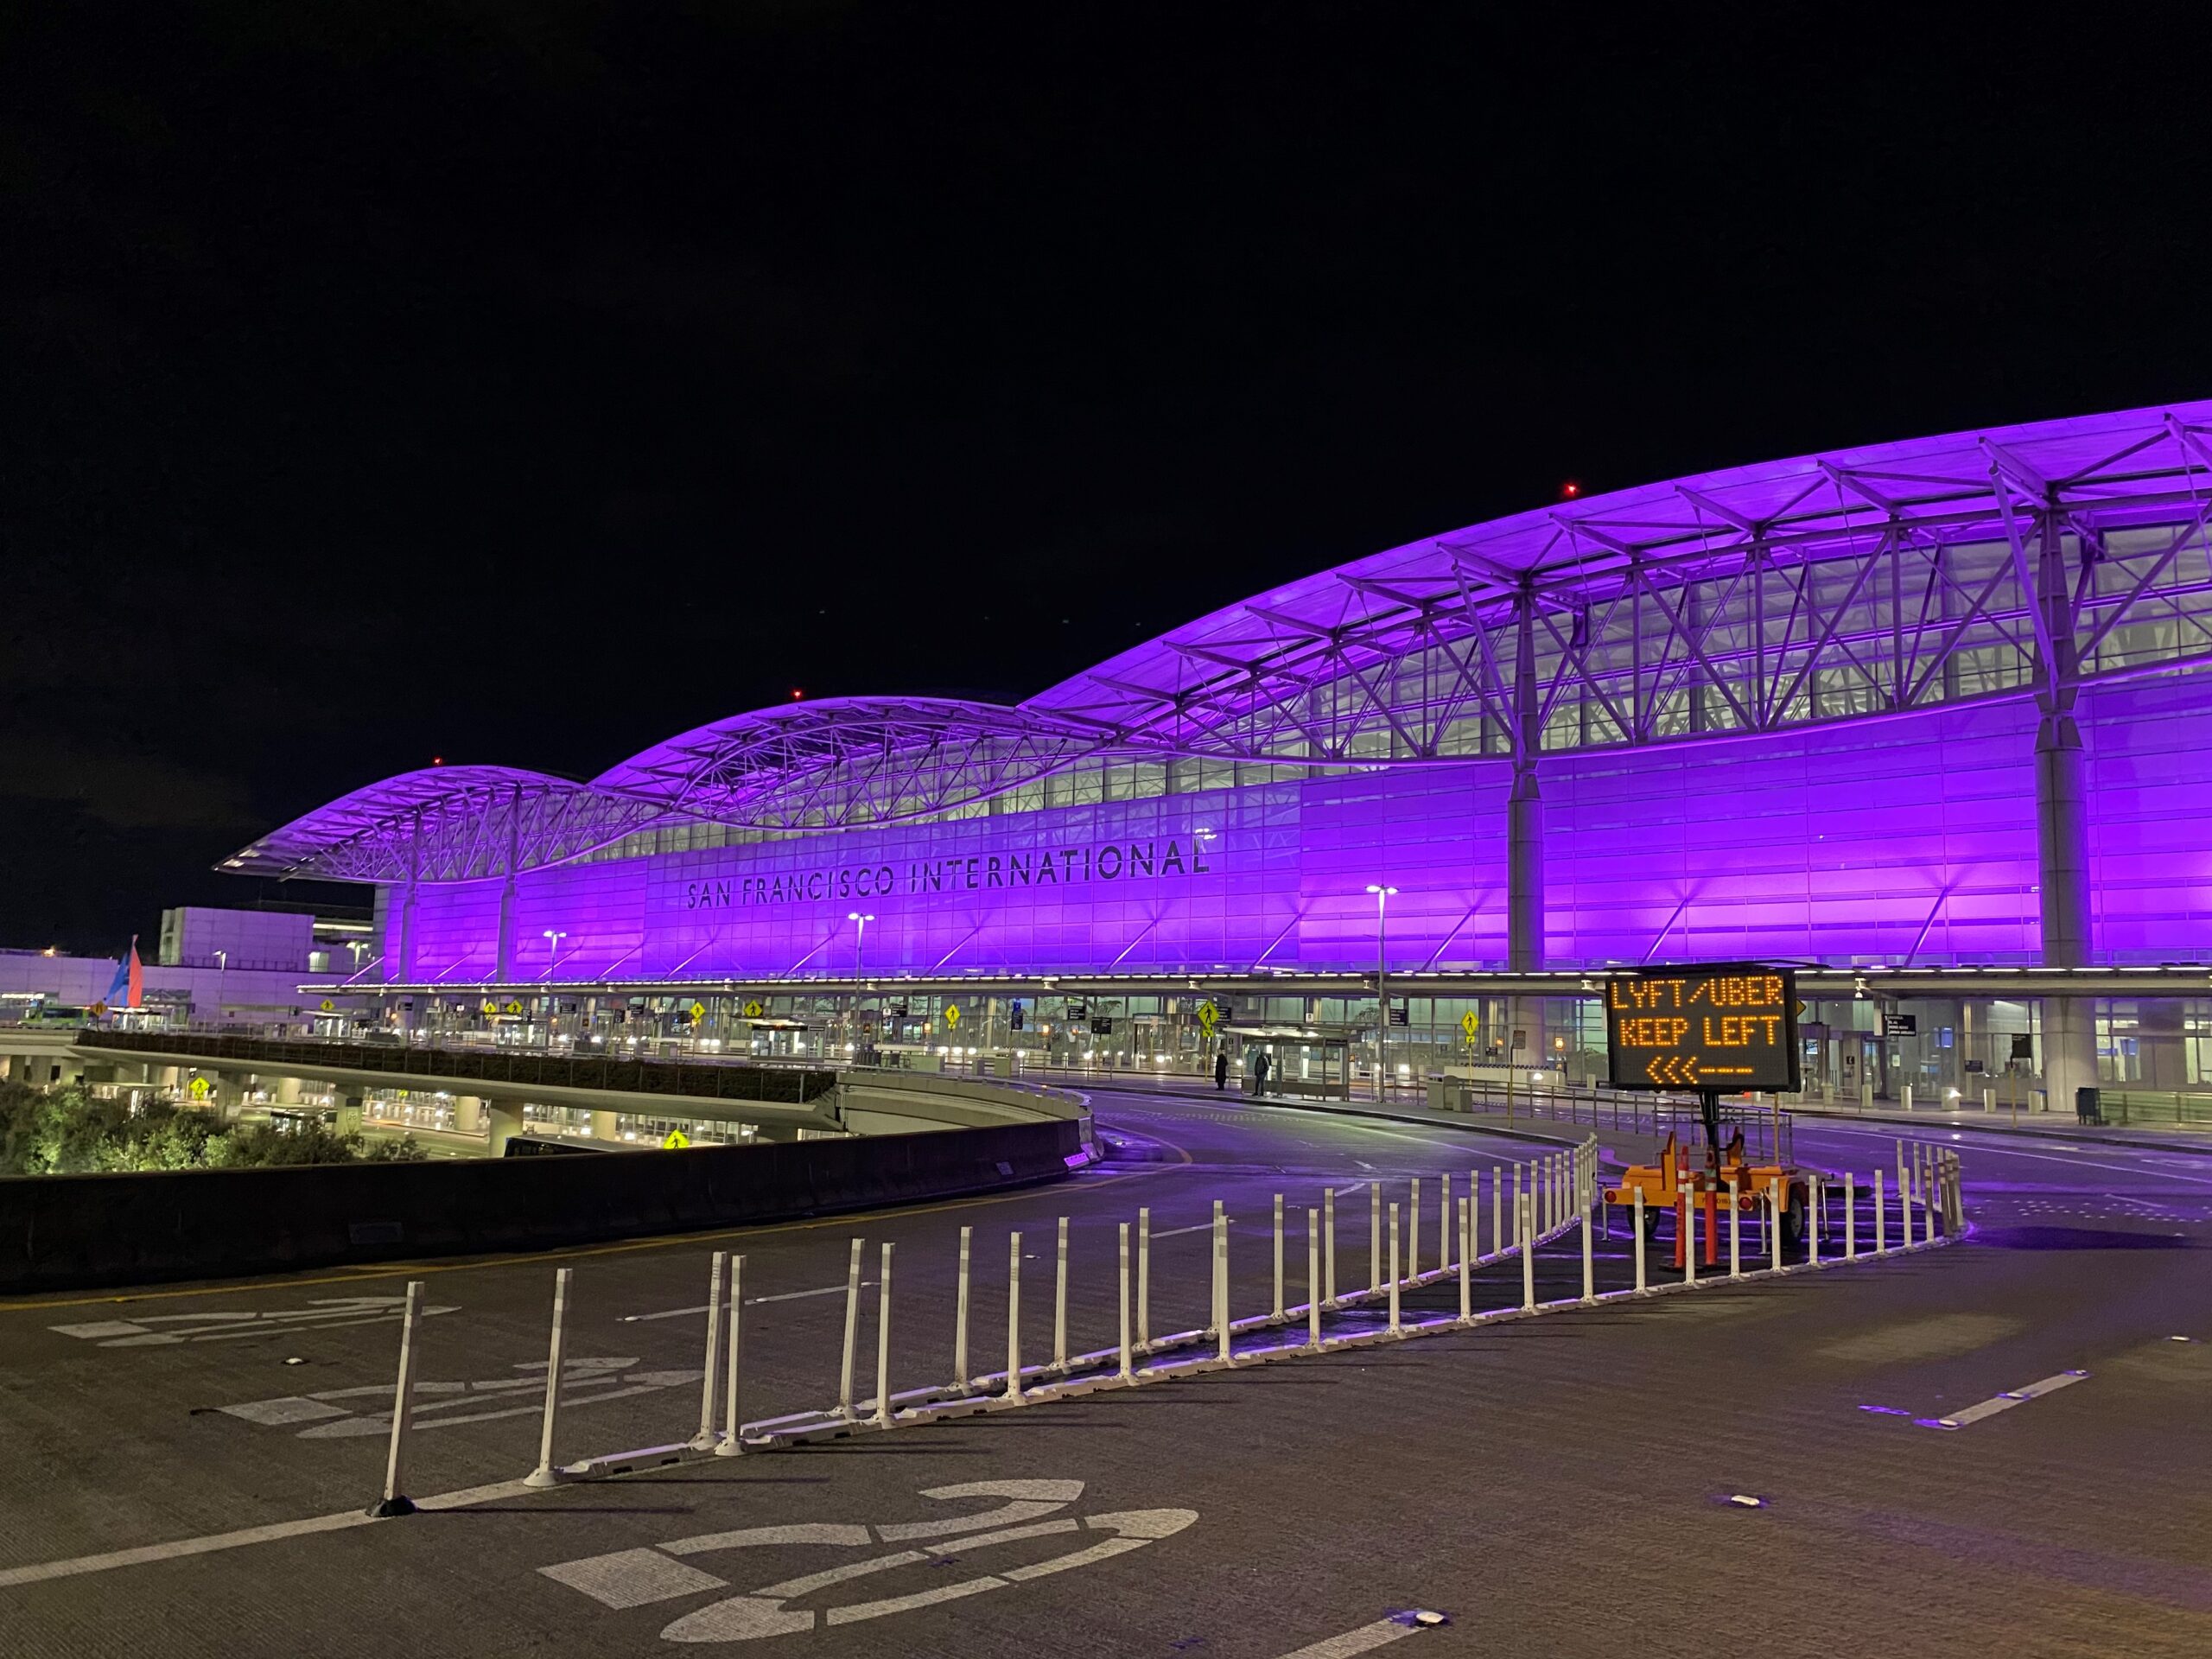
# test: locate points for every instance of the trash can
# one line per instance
(2089, 1106)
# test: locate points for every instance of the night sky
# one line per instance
(525, 382)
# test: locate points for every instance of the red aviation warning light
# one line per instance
(1729, 1027)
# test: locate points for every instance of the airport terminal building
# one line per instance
(1926, 719)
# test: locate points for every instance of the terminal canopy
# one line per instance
(1860, 584)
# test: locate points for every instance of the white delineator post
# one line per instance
(704, 1439)
(1126, 1373)
(1589, 1267)
(1413, 1230)
(1329, 1245)
(1850, 1216)
(1444, 1213)
(543, 1475)
(1687, 1212)
(1525, 1217)
(1313, 1280)
(852, 1331)
(1497, 1209)
(395, 1500)
(883, 1345)
(1522, 1215)
(1221, 1282)
(1375, 1236)
(1813, 1196)
(733, 1442)
(1467, 1267)
(960, 1372)
(1881, 1216)
(1735, 1233)
(1013, 1317)
(1636, 1222)
(1395, 1328)
(1060, 1302)
(1777, 1198)
(1144, 1280)
(1213, 1300)
(1276, 1316)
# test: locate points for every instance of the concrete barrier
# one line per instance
(71, 1232)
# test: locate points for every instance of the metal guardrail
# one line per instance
(777, 1085)
(2155, 1109)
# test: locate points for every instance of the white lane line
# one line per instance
(1366, 1639)
(40, 1572)
(750, 1301)
(2006, 1400)
(1177, 1232)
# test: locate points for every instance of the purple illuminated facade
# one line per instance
(1934, 702)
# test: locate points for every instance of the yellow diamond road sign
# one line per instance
(514, 1007)
(698, 1011)
(201, 1088)
(1469, 1023)
(1207, 1015)
(754, 1010)
(327, 1005)
(951, 1015)
(675, 1140)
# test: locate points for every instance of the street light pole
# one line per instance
(222, 979)
(1381, 980)
(859, 938)
(553, 937)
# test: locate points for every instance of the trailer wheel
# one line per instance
(1793, 1219)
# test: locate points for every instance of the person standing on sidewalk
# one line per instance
(1260, 1073)
(1220, 1070)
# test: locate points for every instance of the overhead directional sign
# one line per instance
(1728, 1027)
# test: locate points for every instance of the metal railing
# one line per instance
(2153, 1109)
(775, 1085)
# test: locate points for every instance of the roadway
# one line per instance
(1559, 1485)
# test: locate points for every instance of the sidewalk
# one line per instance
(2041, 1126)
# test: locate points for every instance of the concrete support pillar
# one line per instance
(468, 1114)
(1524, 845)
(602, 1126)
(349, 1111)
(2069, 1037)
(507, 952)
(2069, 1049)
(507, 1123)
(286, 1090)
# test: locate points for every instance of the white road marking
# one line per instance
(750, 1301)
(2005, 1402)
(220, 1324)
(1177, 1232)
(40, 1572)
(331, 1421)
(632, 1578)
(1366, 1639)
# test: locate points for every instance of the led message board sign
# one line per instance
(1730, 1028)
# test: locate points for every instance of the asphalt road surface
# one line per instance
(1561, 1485)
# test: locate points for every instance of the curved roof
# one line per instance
(1731, 602)
(1570, 557)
